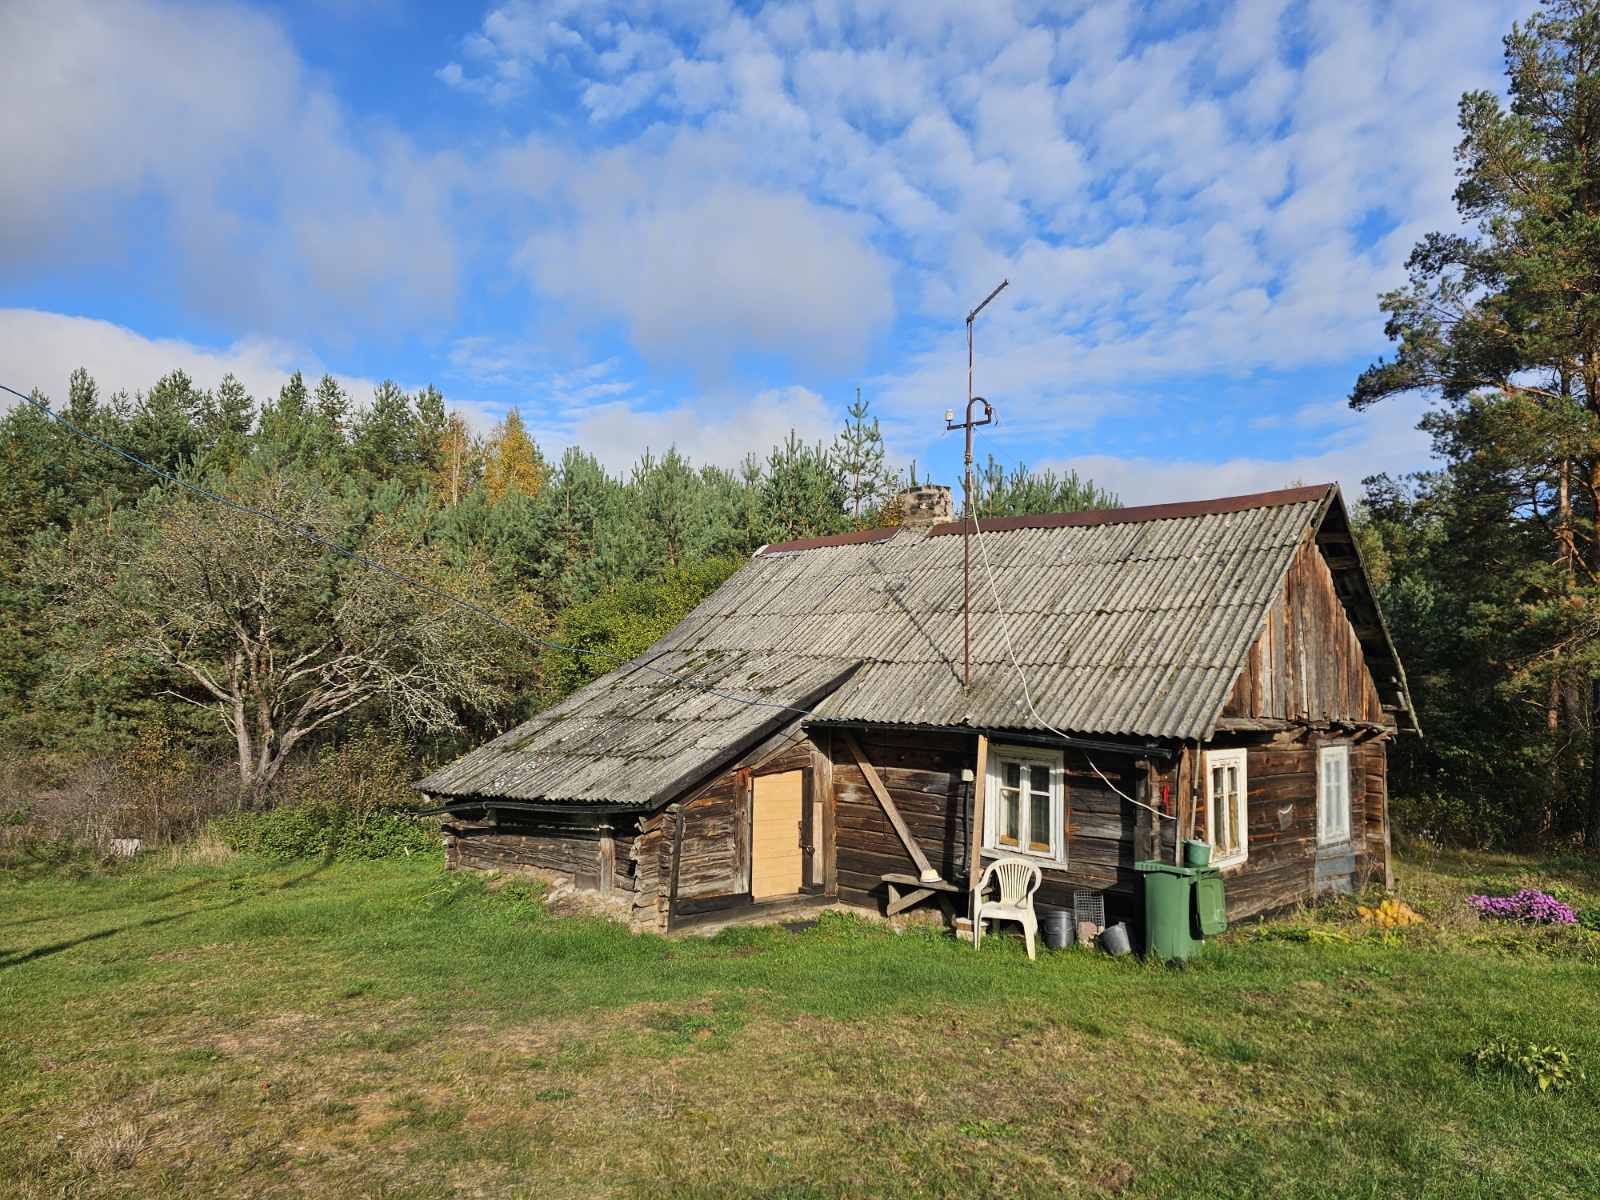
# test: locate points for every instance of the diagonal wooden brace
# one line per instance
(925, 869)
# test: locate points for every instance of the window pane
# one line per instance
(1010, 816)
(1040, 777)
(1039, 822)
(1013, 774)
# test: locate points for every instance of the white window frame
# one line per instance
(994, 774)
(1239, 758)
(1334, 817)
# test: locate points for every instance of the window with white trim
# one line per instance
(1022, 808)
(1227, 806)
(1333, 794)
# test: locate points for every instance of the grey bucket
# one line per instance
(1115, 940)
(1056, 925)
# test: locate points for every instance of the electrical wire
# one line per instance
(313, 536)
(1027, 695)
(482, 614)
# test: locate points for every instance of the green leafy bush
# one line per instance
(348, 806)
(316, 830)
(1550, 1068)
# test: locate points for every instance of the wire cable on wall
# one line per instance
(1027, 695)
(311, 535)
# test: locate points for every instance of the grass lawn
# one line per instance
(385, 1030)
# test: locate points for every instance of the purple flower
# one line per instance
(1528, 906)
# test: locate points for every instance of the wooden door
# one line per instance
(776, 814)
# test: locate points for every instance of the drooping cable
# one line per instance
(355, 556)
(1027, 695)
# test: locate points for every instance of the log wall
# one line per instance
(1306, 665)
(1282, 866)
(922, 774)
(569, 847)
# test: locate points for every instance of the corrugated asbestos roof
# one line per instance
(1128, 622)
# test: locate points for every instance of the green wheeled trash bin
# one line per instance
(1181, 906)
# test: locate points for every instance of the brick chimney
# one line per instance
(926, 505)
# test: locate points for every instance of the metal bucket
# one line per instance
(1056, 926)
(1115, 940)
(1196, 854)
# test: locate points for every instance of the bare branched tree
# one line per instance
(275, 635)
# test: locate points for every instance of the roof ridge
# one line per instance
(1176, 510)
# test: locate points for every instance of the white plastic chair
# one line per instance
(1018, 879)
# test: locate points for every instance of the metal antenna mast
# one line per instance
(966, 526)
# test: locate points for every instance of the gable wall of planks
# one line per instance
(1307, 663)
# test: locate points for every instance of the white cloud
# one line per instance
(275, 210)
(617, 433)
(1384, 439)
(42, 349)
(1176, 191)
(1166, 204)
(700, 274)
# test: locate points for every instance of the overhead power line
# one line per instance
(1027, 695)
(311, 535)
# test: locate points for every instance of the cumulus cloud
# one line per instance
(40, 350)
(697, 278)
(617, 433)
(1178, 192)
(1385, 440)
(1174, 191)
(197, 131)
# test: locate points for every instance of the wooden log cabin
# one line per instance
(1216, 669)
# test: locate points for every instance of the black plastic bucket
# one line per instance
(1056, 925)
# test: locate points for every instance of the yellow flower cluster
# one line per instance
(1391, 914)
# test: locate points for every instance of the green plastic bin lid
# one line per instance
(1210, 905)
(1154, 866)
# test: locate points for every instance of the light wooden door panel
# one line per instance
(776, 860)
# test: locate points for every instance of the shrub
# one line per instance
(348, 805)
(1528, 906)
(1550, 1068)
(319, 830)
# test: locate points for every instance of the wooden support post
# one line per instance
(608, 859)
(1144, 821)
(744, 798)
(870, 773)
(822, 781)
(980, 775)
(675, 814)
(810, 833)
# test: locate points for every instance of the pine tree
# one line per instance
(287, 430)
(803, 493)
(1502, 325)
(165, 430)
(859, 453)
(225, 418)
(332, 406)
(383, 436)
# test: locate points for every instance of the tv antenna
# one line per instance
(966, 524)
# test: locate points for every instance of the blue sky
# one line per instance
(707, 223)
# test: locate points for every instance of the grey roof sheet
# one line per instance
(1124, 627)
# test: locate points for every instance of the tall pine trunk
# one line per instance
(1591, 818)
